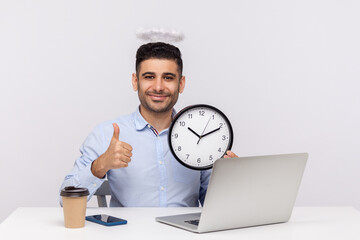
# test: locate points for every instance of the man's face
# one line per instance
(158, 84)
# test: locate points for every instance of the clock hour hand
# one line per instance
(210, 132)
(194, 132)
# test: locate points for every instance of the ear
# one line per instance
(182, 84)
(134, 82)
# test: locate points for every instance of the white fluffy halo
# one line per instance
(159, 35)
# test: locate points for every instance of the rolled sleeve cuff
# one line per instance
(88, 180)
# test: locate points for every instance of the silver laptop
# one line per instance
(246, 191)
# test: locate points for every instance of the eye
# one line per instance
(149, 77)
(169, 78)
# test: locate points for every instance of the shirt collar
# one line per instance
(140, 122)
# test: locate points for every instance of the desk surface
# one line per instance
(306, 223)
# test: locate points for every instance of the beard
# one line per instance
(158, 106)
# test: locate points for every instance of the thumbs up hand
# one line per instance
(116, 134)
(118, 155)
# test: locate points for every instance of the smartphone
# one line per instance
(106, 220)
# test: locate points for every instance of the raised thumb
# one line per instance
(116, 131)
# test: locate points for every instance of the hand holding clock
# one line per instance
(230, 154)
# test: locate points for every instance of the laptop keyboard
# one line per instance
(193, 222)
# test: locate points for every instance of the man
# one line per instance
(133, 152)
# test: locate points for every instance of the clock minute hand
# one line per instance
(194, 132)
(210, 132)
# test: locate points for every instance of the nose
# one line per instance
(159, 84)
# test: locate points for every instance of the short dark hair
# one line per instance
(158, 50)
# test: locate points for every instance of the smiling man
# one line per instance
(132, 151)
(158, 82)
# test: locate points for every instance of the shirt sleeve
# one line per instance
(205, 177)
(81, 175)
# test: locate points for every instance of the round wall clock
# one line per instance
(199, 135)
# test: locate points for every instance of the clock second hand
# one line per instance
(204, 130)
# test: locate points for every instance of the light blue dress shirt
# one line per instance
(154, 178)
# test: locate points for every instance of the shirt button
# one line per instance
(94, 184)
(162, 188)
(160, 162)
(148, 126)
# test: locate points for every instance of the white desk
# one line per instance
(306, 223)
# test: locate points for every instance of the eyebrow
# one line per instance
(145, 73)
(152, 73)
(169, 73)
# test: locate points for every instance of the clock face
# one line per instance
(199, 135)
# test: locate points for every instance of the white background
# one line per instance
(285, 72)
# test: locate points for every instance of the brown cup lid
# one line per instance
(72, 191)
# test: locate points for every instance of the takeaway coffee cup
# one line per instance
(74, 206)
